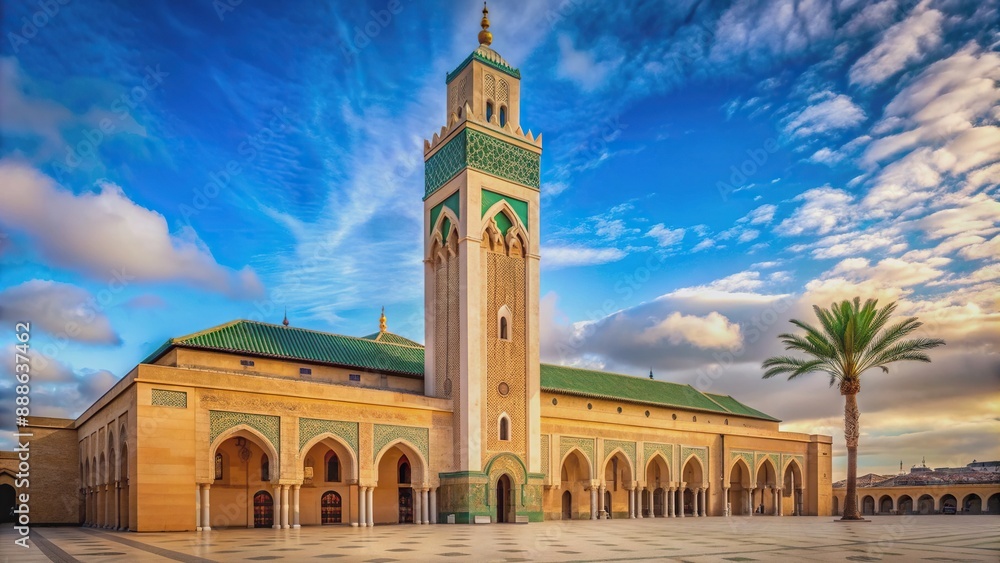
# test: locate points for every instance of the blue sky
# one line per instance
(709, 170)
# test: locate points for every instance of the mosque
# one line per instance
(249, 424)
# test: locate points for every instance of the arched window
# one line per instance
(332, 467)
(459, 112)
(504, 428)
(503, 323)
(404, 470)
(503, 116)
(218, 466)
(265, 468)
(489, 111)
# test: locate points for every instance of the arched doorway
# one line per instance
(925, 504)
(836, 506)
(993, 504)
(504, 499)
(657, 475)
(567, 505)
(263, 510)
(904, 504)
(739, 489)
(7, 502)
(972, 504)
(885, 504)
(868, 505)
(575, 480)
(404, 477)
(401, 474)
(330, 508)
(767, 480)
(791, 503)
(950, 502)
(240, 465)
(617, 473)
(694, 475)
(328, 466)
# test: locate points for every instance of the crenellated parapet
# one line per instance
(455, 121)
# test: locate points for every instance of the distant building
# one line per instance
(973, 489)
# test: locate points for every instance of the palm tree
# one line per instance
(851, 340)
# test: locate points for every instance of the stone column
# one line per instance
(285, 508)
(799, 494)
(751, 502)
(668, 503)
(295, 509)
(417, 507)
(434, 506)
(427, 506)
(593, 503)
(680, 501)
(371, 507)
(197, 506)
(362, 505)
(642, 493)
(781, 503)
(776, 494)
(696, 506)
(206, 513)
(631, 503)
(600, 502)
(277, 509)
(727, 508)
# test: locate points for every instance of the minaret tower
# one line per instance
(481, 214)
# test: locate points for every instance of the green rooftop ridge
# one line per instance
(391, 353)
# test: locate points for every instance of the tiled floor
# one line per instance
(885, 538)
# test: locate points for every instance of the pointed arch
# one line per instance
(418, 463)
(698, 468)
(505, 323)
(618, 452)
(765, 464)
(327, 437)
(448, 214)
(748, 476)
(503, 427)
(580, 455)
(504, 207)
(657, 461)
(250, 433)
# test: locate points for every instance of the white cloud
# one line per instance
(554, 257)
(824, 210)
(745, 281)
(107, 236)
(833, 113)
(580, 66)
(65, 311)
(665, 236)
(982, 248)
(711, 331)
(902, 44)
(762, 215)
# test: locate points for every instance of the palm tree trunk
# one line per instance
(852, 431)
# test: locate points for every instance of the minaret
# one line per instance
(481, 214)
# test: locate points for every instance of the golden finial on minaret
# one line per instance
(485, 37)
(382, 327)
(285, 320)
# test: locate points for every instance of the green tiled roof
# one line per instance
(388, 352)
(604, 385)
(391, 338)
(262, 339)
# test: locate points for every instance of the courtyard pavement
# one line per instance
(885, 538)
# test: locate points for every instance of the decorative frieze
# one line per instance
(268, 425)
(627, 447)
(385, 434)
(309, 428)
(586, 445)
(167, 398)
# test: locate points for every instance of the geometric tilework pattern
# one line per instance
(627, 447)
(269, 426)
(545, 454)
(586, 445)
(485, 153)
(165, 398)
(386, 433)
(445, 164)
(505, 359)
(700, 453)
(500, 158)
(747, 457)
(651, 448)
(309, 428)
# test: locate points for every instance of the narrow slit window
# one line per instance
(503, 116)
(503, 329)
(489, 111)
(504, 428)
